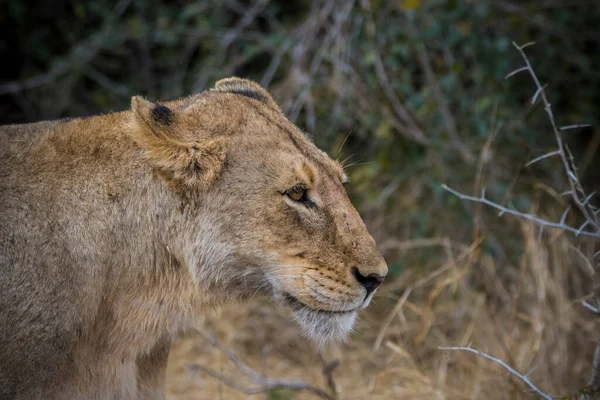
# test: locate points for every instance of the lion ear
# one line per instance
(248, 88)
(182, 158)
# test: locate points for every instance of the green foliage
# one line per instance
(335, 67)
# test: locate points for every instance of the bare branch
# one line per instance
(507, 367)
(576, 189)
(529, 217)
(327, 370)
(576, 192)
(579, 197)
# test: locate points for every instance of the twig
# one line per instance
(328, 368)
(262, 384)
(507, 367)
(576, 126)
(552, 153)
(516, 71)
(590, 307)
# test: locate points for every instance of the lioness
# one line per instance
(115, 228)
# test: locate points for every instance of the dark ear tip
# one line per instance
(152, 112)
(162, 114)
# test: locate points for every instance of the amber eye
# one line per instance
(298, 193)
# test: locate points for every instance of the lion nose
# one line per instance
(370, 282)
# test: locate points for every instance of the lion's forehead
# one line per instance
(259, 120)
(317, 158)
(268, 131)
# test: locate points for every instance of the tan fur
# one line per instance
(116, 230)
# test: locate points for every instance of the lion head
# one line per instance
(263, 210)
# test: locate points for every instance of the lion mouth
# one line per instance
(297, 305)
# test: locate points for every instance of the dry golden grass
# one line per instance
(526, 314)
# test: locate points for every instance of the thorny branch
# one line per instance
(579, 196)
(583, 203)
(577, 192)
(504, 210)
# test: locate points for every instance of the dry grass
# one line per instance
(526, 314)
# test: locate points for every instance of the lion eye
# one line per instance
(298, 193)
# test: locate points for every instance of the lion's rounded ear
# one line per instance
(183, 158)
(248, 88)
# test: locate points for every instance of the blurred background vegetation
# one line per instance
(411, 94)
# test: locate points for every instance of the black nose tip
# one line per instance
(370, 282)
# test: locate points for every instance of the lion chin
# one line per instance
(321, 326)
